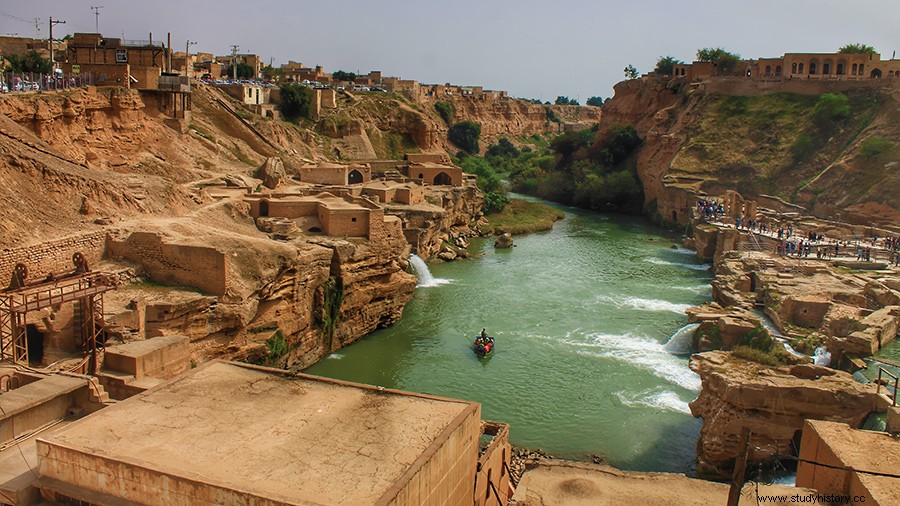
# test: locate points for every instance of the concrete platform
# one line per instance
(838, 445)
(228, 433)
(581, 484)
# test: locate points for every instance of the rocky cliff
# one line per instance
(703, 137)
(772, 402)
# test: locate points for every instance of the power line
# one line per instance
(779, 456)
(17, 18)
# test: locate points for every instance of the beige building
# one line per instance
(228, 433)
(117, 62)
(335, 174)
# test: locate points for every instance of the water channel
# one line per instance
(581, 315)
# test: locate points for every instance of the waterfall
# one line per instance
(420, 269)
(681, 342)
(822, 356)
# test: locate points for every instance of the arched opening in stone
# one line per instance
(442, 179)
(354, 177)
(264, 208)
(876, 74)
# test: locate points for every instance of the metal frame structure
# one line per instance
(20, 298)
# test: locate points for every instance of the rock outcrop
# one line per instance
(772, 402)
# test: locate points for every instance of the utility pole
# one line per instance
(96, 10)
(187, 55)
(234, 50)
(57, 22)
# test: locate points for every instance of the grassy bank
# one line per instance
(523, 217)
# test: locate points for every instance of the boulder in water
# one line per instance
(504, 241)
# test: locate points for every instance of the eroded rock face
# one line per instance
(444, 224)
(771, 402)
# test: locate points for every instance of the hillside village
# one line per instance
(178, 251)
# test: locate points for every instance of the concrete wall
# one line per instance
(823, 479)
(52, 256)
(160, 357)
(37, 403)
(175, 264)
(133, 482)
(345, 222)
(447, 477)
(493, 465)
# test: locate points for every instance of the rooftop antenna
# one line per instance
(97, 17)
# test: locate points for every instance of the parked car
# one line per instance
(4, 88)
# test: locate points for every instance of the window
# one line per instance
(793, 68)
(812, 68)
(121, 56)
(800, 69)
(853, 69)
(840, 69)
(826, 68)
(353, 219)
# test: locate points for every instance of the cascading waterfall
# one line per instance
(822, 356)
(681, 342)
(420, 269)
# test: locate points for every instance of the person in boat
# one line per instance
(484, 335)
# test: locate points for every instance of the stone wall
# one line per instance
(177, 264)
(52, 256)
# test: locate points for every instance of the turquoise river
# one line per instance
(581, 315)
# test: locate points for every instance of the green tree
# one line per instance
(31, 61)
(295, 100)
(561, 100)
(665, 65)
(831, 109)
(340, 75)
(464, 135)
(488, 182)
(724, 61)
(445, 111)
(631, 72)
(271, 73)
(244, 71)
(503, 148)
(595, 101)
(859, 48)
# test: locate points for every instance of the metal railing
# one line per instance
(33, 81)
(892, 396)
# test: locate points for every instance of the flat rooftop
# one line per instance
(286, 438)
(582, 484)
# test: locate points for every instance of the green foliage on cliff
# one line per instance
(580, 169)
(488, 182)
(464, 135)
(277, 346)
(561, 100)
(295, 100)
(445, 111)
(332, 298)
(775, 144)
(874, 146)
(595, 101)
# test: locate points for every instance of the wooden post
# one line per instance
(740, 469)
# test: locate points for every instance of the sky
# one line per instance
(530, 48)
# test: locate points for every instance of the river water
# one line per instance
(580, 315)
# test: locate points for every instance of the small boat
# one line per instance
(483, 349)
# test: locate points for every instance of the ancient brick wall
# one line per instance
(176, 264)
(52, 256)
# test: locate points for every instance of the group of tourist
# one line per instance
(808, 243)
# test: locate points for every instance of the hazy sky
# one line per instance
(533, 49)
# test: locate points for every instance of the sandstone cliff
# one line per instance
(771, 402)
(703, 137)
